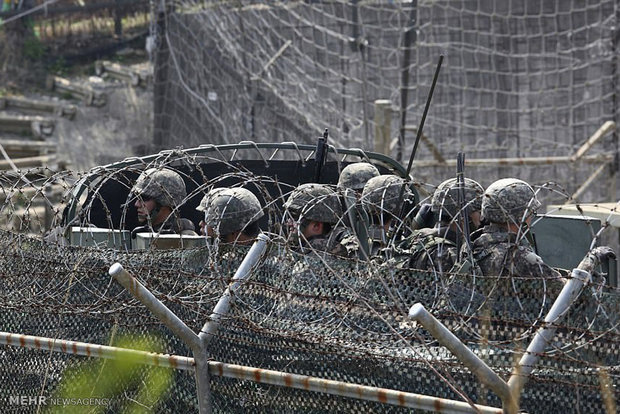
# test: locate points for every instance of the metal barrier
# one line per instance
(509, 391)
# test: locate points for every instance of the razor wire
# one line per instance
(303, 311)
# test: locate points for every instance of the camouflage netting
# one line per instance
(311, 314)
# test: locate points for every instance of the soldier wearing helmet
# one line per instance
(231, 214)
(159, 193)
(351, 183)
(313, 212)
(501, 247)
(380, 199)
(436, 248)
(355, 176)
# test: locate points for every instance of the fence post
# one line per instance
(446, 338)
(383, 124)
(177, 326)
(545, 334)
(223, 305)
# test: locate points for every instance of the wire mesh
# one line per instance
(303, 312)
(520, 79)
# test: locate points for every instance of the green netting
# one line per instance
(320, 316)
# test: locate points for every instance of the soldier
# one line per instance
(314, 211)
(159, 193)
(355, 176)
(231, 214)
(501, 247)
(350, 185)
(436, 248)
(380, 199)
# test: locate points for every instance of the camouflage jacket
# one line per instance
(498, 253)
(339, 241)
(427, 249)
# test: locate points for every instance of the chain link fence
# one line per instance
(299, 313)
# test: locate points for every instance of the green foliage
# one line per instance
(128, 385)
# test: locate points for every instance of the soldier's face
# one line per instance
(144, 206)
(293, 227)
(475, 219)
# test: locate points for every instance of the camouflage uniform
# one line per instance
(427, 249)
(167, 188)
(229, 210)
(351, 184)
(436, 248)
(317, 202)
(380, 199)
(499, 252)
(339, 242)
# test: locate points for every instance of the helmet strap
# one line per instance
(529, 235)
(153, 213)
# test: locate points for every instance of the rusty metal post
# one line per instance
(97, 351)
(344, 389)
(223, 305)
(446, 338)
(261, 376)
(177, 326)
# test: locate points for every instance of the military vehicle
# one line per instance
(303, 332)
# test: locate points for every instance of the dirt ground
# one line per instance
(100, 135)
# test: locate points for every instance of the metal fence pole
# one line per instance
(545, 334)
(96, 351)
(223, 305)
(261, 376)
(345, 389)
(177, 326)
(446, 338)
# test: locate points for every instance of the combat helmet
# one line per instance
(230, 209)
(507, 200)
(316, 202)
(445, 199)
(381, 194)
(163, 185)
(356, 175)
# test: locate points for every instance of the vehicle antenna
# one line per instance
(463, 207)
(320, 155)
(417, 141)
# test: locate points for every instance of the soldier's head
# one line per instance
(380, 198)
(510, 201)
(445, 201)
(158, 191)
(312, 209)
(356, 175)
(232, 214)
